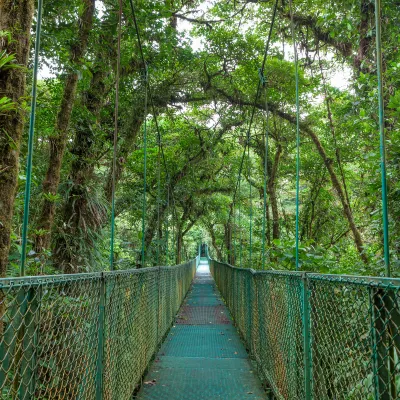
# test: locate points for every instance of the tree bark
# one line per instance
(15, 18)
(179, 244)
(152, 227)
(78, 217)
(339, 190)
(124, 150)
(367, 10)
(271, 187)
(228, 240)
(328, 162)
(210, 228)
(58, 141)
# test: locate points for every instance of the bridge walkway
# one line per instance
(202, 357)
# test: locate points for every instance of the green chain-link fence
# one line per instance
(317, 336)
(86, 336)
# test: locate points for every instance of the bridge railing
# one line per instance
(85, 336)
(317, 336)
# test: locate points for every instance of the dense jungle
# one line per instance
(187, 118)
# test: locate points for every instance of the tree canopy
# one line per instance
(193, 98)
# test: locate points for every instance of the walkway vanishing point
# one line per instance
(202, 357)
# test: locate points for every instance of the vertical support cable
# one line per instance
(167, 228)
(240, 227)
(296, 62)
(385, 217)
(234, 234)
(158, 202)
(28, 181)
(100, 340)
(261, 71)
(144, 168)
(115, 140)
(266, 154)
(251, 208)
(305, 297)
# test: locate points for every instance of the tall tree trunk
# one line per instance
(340, 192)
(274, 108)
(179, 244)
(228, 240)
(211, 231)
(58, 141)
(152, 227)
(272, 193)
(15, 18)
(78, 216)
(228, 243)
(124, 150)
(367, 10)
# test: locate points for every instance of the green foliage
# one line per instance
(203, 74)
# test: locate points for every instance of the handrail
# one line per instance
(317, 336)
(87, 336)
(364, 280)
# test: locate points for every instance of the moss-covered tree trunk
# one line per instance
(16, 19)
(126, 147)
(271, 188)
(58, 141)
(80, 214)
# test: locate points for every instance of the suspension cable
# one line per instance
(248, 136)
(250, 207)
(150, 96)
(27, 197)
(115, 139)
(158, 202)
(296, 62)
(240, 227)
(385, 217)
(266, 155)
(167, 230)
(259, 85)
(144, 204)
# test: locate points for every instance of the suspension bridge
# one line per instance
(203, 329)
(180, 332)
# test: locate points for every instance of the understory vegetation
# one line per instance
(202, 62)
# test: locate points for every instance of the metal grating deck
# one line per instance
(203, 357)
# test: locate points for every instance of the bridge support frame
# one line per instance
(306, 321)
(100, 342)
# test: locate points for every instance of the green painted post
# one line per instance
(305, 302)
(261, 314)
(264, 224)
(115, 138)
(249, 332)
(30, 139)
(158, 306)
(167, 228)
(296, 64)
(380, 351)
(144, 205)
(30, 308)
(100, 342)
(250, 211)
(385, 218)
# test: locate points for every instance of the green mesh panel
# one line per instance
(86, 336)
(202, 357)
(318, 336)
